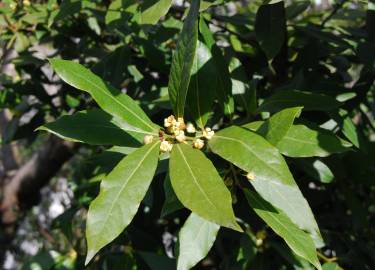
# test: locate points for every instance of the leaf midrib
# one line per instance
(195, 179)
(250, 150)
(264, 206)
(109, 213)
(114, 99)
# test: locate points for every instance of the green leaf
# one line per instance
(275, 128)
(67, 8)
(156, 262)
(316, 169)
(196, 239)
(270, 28)
(347, 126)
(119, 12)
(121, 193)
(302, 141)
(296, 8)
(201, 89)
(182, 61)
(293, 98)
(94, 127)
(108, 98)
(222, 78)
(153, 10)
(272, 178)
(331, 266)
(199, 187)
(171, 203)
(209, 3)
(299, 241)
(253, 126)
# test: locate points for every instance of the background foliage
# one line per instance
(313, 63)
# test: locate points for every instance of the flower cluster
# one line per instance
(176, 131)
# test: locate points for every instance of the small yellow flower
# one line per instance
(169, 121)
(26, 3)
(180, 124)
(180, 135)
(148, 139)
(166, 146)
(190, 128)
(208, 133)
(198, 144)
(250, 176)
(13, 5)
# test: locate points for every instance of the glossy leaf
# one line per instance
(201, 89)
(275, 128)
(270, 28)
(302, 141)
(108, 98)
(242, 90)
(196, 239)
(94, 127)
(272, 178)
(316, 169)
(199, 187)
(293, 98)
(183, 59)
(171, 203)
(299, 241)
(222, 77)
(121, 193)
(153, 10)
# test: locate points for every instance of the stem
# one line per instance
(326, 259)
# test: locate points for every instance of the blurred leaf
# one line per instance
(171, 203)
(331, 266)
(157, 262)
(270, 28)
(196, 238)
(67, 8)
(316, 169)
(222, 76)
(199, 187)
(119, 12)
(201, 89)
(296, 8)
(308, 142)
(153, 10)
(293, 98)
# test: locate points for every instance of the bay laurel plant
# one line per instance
(252, 152)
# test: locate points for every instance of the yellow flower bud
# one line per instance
(180, 135)
(190, 128)
(181, 123)
(198, 144)
(166, 146)
(208, 133)
(148, 139)
(250, 176)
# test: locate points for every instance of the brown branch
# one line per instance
(21, 191)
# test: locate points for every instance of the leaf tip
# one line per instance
(90, 255)
(234, 225)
